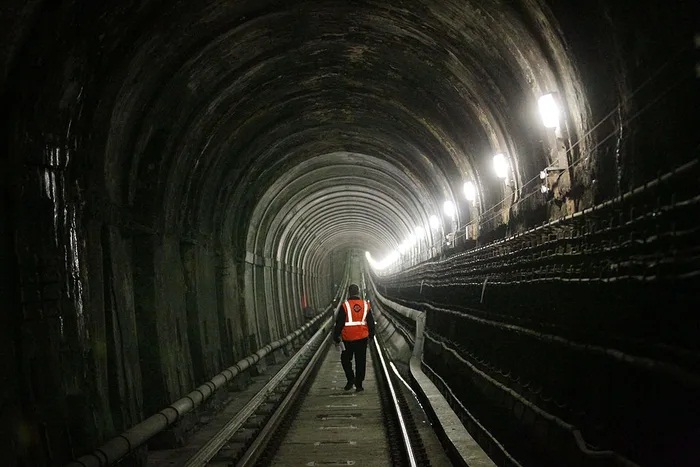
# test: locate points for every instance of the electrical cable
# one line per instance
(657, 98)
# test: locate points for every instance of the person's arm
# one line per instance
(370, 324)
(339, 324)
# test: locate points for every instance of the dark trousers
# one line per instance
(359, 350)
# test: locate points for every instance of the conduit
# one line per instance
(139, 434)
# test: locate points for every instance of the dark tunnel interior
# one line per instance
(181, 179)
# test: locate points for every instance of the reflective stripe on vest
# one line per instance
(355, 329)
(348, 315)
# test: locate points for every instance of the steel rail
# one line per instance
(257, 447)
(255, 450)
(402, 424)
(214, 445)
(127, 442)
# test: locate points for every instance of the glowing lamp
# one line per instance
(448, 208)
(469, 191)
(549, 110)
(500, 165)
(410, 240)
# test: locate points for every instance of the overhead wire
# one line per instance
(480, 219)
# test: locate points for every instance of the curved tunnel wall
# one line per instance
(171, 168)
(575, 342)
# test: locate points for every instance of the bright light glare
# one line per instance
(469, 191)
(544, 189)
(402, 248)
(420, 232)
(434, 222)
(448, 208)
(500, 165)
(410, 240)
(549, 110)
(543, 174)
(384, 263)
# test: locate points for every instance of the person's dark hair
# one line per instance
(353, 290)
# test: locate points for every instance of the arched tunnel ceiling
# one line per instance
(373, 201)
(267, 124)
(182, 180)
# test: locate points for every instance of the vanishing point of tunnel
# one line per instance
(184, 182)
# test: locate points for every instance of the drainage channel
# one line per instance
(242, 435)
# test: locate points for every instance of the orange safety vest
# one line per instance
(355, 320)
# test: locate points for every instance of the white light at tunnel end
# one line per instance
(549, 110)
(448, 208)
(500, 165)
(434, 222)
(390, 259)
(469, 191)
(420, 232)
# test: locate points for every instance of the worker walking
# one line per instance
(355, 325)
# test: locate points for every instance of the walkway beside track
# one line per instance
(337, 427)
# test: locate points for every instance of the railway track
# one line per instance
(302, 416)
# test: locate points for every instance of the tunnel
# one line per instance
(184, 183)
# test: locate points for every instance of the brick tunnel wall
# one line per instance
(587, 324)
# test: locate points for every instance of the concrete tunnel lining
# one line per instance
(188, 137)
(149, 150)
(319, 248)
(435, 182)
(300, 209)
(298, 181)
(306, 243)
(337, 206)
(337, 176)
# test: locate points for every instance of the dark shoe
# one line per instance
(348, 386)
(359, 389)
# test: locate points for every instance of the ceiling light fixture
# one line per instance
(549, 110)
(470, 191)
(500, 165)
